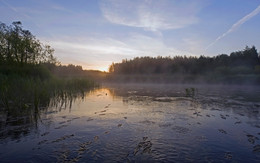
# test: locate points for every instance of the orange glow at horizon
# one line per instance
(104, 68)
(100, 68)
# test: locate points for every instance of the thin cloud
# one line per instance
(104, 51)
(20, 13)
(151, 15)
(9, 6)
(237, 25)
(14, 9)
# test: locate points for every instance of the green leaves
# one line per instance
(18, 45)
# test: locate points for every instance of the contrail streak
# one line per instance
(14, 9)
(237, 24)
(23, 14)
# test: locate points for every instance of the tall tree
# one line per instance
(21, 46)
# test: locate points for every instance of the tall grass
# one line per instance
(29, 88)
(19, 93)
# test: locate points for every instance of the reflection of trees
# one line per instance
(17, 122)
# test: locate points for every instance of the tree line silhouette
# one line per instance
(238, 67)
(240, 62)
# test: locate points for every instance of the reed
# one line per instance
(19, 93)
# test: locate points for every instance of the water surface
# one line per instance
(136, 123)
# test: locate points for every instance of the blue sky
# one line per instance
(95, 33)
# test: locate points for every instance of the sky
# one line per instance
(95, 33)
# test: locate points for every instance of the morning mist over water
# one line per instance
(129, 81)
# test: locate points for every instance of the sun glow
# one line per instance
(102, 68)
(99, 68)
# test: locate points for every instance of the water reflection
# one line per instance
(140, 123)
(17, 122)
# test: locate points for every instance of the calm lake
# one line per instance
(140, 123)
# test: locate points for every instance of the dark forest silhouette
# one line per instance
(238, 67)
(245, 61)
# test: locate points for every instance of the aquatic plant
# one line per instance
(190, 92)
(19, 93)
